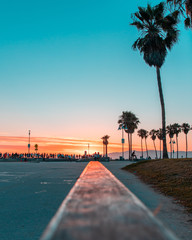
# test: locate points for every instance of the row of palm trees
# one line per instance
(171, 130)
(158, 32)
(129, 122)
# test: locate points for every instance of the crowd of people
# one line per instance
(47, 156)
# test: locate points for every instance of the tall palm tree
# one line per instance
(186, 128)
(146, 136)
(143, 134)
(160, 137)
(158, 34)
(153, 134)
(129, 122)
(177, 130)
(36, 148)
(170, 132)
(105, 143)
(185, 9)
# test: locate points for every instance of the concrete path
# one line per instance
(30, 194)
(171, 214)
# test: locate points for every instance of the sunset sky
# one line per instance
(67, 72)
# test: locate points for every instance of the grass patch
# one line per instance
(172, 177)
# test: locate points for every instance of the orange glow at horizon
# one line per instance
(54, 145)
(18, 144)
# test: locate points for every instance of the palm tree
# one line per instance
(186, 128)
(146, 136)
(153, 134)
(105, 143)
(142, 133)
(177, 130)
(170, 132)
(129, 122)
(158, 34)
(185, 9)
(160, 137)
(36, 148)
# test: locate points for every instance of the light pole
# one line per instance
(122, 139)
(173, 147)
(29, 142)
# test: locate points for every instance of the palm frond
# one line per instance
(171, 38)
(158, 33)
(188, 22)
(138, 25)
(144, 14)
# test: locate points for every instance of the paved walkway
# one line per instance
(30, 194)
(171, 214)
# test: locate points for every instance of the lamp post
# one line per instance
(173, 147)
(29, 142)
(122, 139)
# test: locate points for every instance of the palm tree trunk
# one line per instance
(155, 148)
(106, 150)
(160, 148)
(165, 154)
(129, 145)
(177, 147)
(170, 148)
(146, 148)
(142, 146)
(186, 146)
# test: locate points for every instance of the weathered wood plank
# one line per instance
(100, 207)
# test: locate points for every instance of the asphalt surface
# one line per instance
(31, 193)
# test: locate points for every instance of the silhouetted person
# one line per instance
(133, 156)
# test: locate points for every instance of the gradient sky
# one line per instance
(67, 71)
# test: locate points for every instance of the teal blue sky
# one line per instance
(67, 69)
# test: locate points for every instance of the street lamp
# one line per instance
(123, 139)
(29, 142)
(173, 147)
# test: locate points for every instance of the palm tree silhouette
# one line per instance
(177, 130)
(153, 134)
(142, 133)
(105, 143)
(185, 9)
(160, 137)
(146, 136)
(170, 132)
(186, 128)
(129, 122)
(36, 148)
(158, 34)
